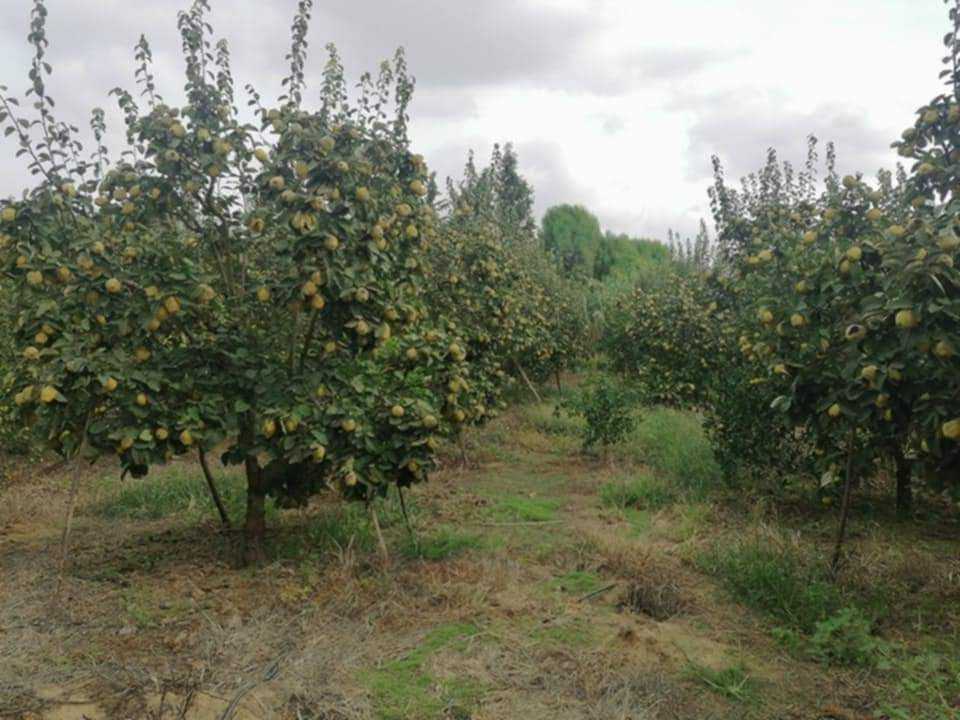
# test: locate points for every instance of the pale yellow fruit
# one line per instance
(948, 241)
(142, 400)
(256, 225)
(331, 242)
(855, 332)
(309, 288)
(8, 214)
(317, 302)
(874, 214)
(64, 274)
(186, 438)
(844, 267)
(41, 338)
(277, 182)
(869, 373)
(897, 231)
(291, 424)
(765, 255)
(31, 353)
(765, 316)
(153, 325)
(35, 278)
(459, 416)
(834, 411)
(943, 350)
(172, 305)
(205, 293)
(882, 400)
(854, 253)
(363, 194)
(161, 434)
(48, 394)
(418, 188)
(951, 429)
(269, 428)
(397, 411)
(261, 154)
(113, 286)
(110, 384)
(263, 294)
(142, 354)
(348, 425)
(178, 130)
(412, 354)
(797, 320)
(319, 453)
(906, 319)
(894, 374)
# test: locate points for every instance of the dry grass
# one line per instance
(545, 604)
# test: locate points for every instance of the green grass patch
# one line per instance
(775, 581)
(577, 582)
(549, 420)
(405, 689)
(732, 682)
(674, 443)
(926, 685)
(576, 634)
(440, 544)
(174, 490)
(640, 493)
(525, 509)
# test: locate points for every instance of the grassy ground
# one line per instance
(540, 583)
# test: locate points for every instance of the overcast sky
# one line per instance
(614, 104)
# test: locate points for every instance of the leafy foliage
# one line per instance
(607, 406)
(258, 285)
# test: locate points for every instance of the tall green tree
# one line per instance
(572, 234)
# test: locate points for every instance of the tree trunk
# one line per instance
(212, 486)
(904, 486)
(255, 525)
(844, 509)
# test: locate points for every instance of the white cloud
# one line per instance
(616, 104)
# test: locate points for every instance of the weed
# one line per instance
(930, 680)
(525, 509)
(774, 581)
(404, 689)
(576, 582)
(641, 493)
(846, 639)
(441, 544)
(733, 682)
(174, 491)
(673, 443)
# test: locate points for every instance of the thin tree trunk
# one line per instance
(559, 386)
(255, 524)
(844, 508)
(904, 486)
(527, 381)
(224, 518)
(381, 543)
(65, 538)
